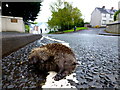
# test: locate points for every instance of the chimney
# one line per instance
(112, 8)
(103, 7)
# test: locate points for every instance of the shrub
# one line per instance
(116, 14)
(97, 26)
(27, 28)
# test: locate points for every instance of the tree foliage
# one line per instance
(64, 16)
(116, 14)
(27, 10)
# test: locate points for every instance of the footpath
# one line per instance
(12, 41)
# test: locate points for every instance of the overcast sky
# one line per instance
(86, 7)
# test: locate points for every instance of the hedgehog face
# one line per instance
(38, 55)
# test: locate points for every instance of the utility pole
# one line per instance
(119, 9)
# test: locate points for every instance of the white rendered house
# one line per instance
(36, 29)
(102, 16)
(44, 27)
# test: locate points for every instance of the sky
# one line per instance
(86, 7)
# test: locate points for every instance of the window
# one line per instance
(110, 21)
(14, 20)
(103, 22)
(104, 15)
(111, 15)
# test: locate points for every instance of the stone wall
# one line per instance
(114, 28)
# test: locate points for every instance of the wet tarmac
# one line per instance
(99, 59)
(98, 67)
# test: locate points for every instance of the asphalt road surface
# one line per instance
(97, 56)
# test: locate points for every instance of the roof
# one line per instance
(109, 11)
(11, 17)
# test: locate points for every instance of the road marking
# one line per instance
(60, 41)
(63, 83)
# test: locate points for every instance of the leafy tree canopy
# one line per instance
(64, 16)
(116, 15)
(27, 10)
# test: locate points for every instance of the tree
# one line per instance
(64, 16)
(116, 15)
(27, 10)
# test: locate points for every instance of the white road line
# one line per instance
(63, 83)
(60, 41)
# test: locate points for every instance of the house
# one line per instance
(101, 16)
(39, 28)
(9, 23)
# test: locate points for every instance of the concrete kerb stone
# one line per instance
(109, 34)
(13, 43)
(102, 32)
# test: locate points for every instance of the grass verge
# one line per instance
(67, 31)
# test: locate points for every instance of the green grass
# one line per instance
(67, 31)
(78, 28)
